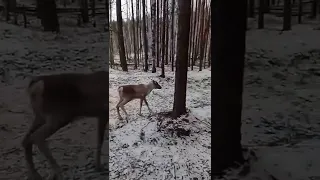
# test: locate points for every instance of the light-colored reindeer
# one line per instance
(58, 100)
(128, 93)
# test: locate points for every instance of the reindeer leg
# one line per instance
(141, 101)
(57, 171)
(145, 100)
(102, 124)
(39, 137)
(124, 102)
(118, 110)
(32, 174)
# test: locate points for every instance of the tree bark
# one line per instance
(227, 81)
(195, 32)
(209, 54)
(145, 40)
(173, 36)
(134, 38)
(207, 38)
(123, 60)
(153, 29)
(138, 31)
(251, 8)
(93, 6)
(266, 6)
(190, 35)
(49, 19)
(202, 36)
(314, 9)
(84, 11)
(300, 12)
(287, 15)
(163, 38)
(158, 35)
(167, 34)
(261, 15)
(179, 104)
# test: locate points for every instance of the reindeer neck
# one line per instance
(150, 88)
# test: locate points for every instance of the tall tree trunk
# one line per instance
(228, 47)
(39, 8)
(299, 11)
(138, 31)
(111, 57)
(123, 60)
(49, 19)
(314, 9)
(158, 35)
(251, 8)
(206, 32)
(107, 10)
(127, 33)
(93, 11)
(167, 34)
(261, 15)
(198, 34)
(180, 88)
(153, 29)
(287, 15)
(209, 53)
(160, 29)
(145, 40)
(126, 46)
(173, 36)
(267, 6)
(134, 37)
(163, 38)
(194, 32)
(201, 35)
(191, 34)
(84, 11)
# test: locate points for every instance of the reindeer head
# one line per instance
(156, 85)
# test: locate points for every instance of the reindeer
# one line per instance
(56, 101)
(128, 93)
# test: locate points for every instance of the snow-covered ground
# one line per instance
(281, 109)
(280, 112)
(25, 52)
(159, 155)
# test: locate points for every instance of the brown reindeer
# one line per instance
(128, 93)
(58, 100)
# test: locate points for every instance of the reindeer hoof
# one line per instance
(140, 114)
(120, 118)
(34, 176)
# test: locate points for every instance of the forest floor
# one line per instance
(280, 111)
(154, 146)
(281, 114)
(281, 102)
(29, 51)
